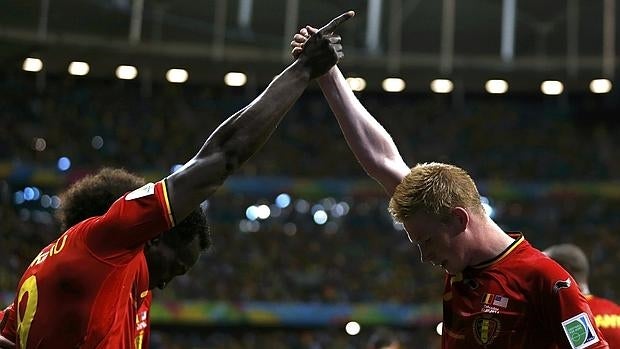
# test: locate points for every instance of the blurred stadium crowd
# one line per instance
(524, 149)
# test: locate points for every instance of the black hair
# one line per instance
(94, 194)
(194, 225)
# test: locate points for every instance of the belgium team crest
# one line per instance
(486, 328)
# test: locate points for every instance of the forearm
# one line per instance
(369, 141)
(242, 134)
(236, 140)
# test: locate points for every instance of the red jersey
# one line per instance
(85, 288)
(607, 316)
(143, 322)
(520, 299)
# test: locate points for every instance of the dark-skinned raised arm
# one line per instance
(245, 132)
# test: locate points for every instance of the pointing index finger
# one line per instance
(329, 27)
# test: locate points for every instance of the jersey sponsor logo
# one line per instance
(495, 300)
(145, 190)
(560, 284)
(579, 331)
(489, 309)
(607, 320)
(486, 329)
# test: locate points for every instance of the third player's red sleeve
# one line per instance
(565, 310)
(132, 220)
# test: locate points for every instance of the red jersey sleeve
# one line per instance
(607, 315)
(131, 221)
(565, 310)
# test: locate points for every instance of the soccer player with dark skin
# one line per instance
(500, 292)
(92, 196)
(606, 312)
(84, 289)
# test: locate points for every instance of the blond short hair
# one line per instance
(434, 188)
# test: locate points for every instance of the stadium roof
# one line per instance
(415, 39)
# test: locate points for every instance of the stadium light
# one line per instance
(263, 211)
(177, 75)
(63, 163)
(235, 79)
(251, 213)
(126, 72)
(55, 202)
(283, 200)
(442, 86)
(32, 64)
(600, 86)
(496, 86)
(356, 84)
(39, 144)
(352, 328)
(320, 217)
(552, 87)
(393, 84)
(46, 201)
(79, 68)
(97, 142)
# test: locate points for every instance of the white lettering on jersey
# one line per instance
(147, 189)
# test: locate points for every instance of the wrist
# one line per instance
(300, 70)
(330, 76)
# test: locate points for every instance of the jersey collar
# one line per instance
(518, 240)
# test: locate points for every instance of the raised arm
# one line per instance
(243, 133)
(371, 144)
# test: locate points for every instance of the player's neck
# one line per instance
(489, 240)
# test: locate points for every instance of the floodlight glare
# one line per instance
(126, 72)
(32, 64)
(177, 75)
(79, 68)
(393, 84)
(496, 86)
(552, 87)
(442, 86)
(357, 84)
(600, 86)
(352, 328)
(235, 79)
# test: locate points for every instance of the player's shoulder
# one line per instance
(533, 262)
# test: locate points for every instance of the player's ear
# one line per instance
(459, 218)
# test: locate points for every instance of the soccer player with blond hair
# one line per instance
(500, 292)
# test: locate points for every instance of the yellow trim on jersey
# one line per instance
(144, 294)
(447, 296)
(168, 208)
(506, 252)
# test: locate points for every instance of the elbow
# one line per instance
(206, 172)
